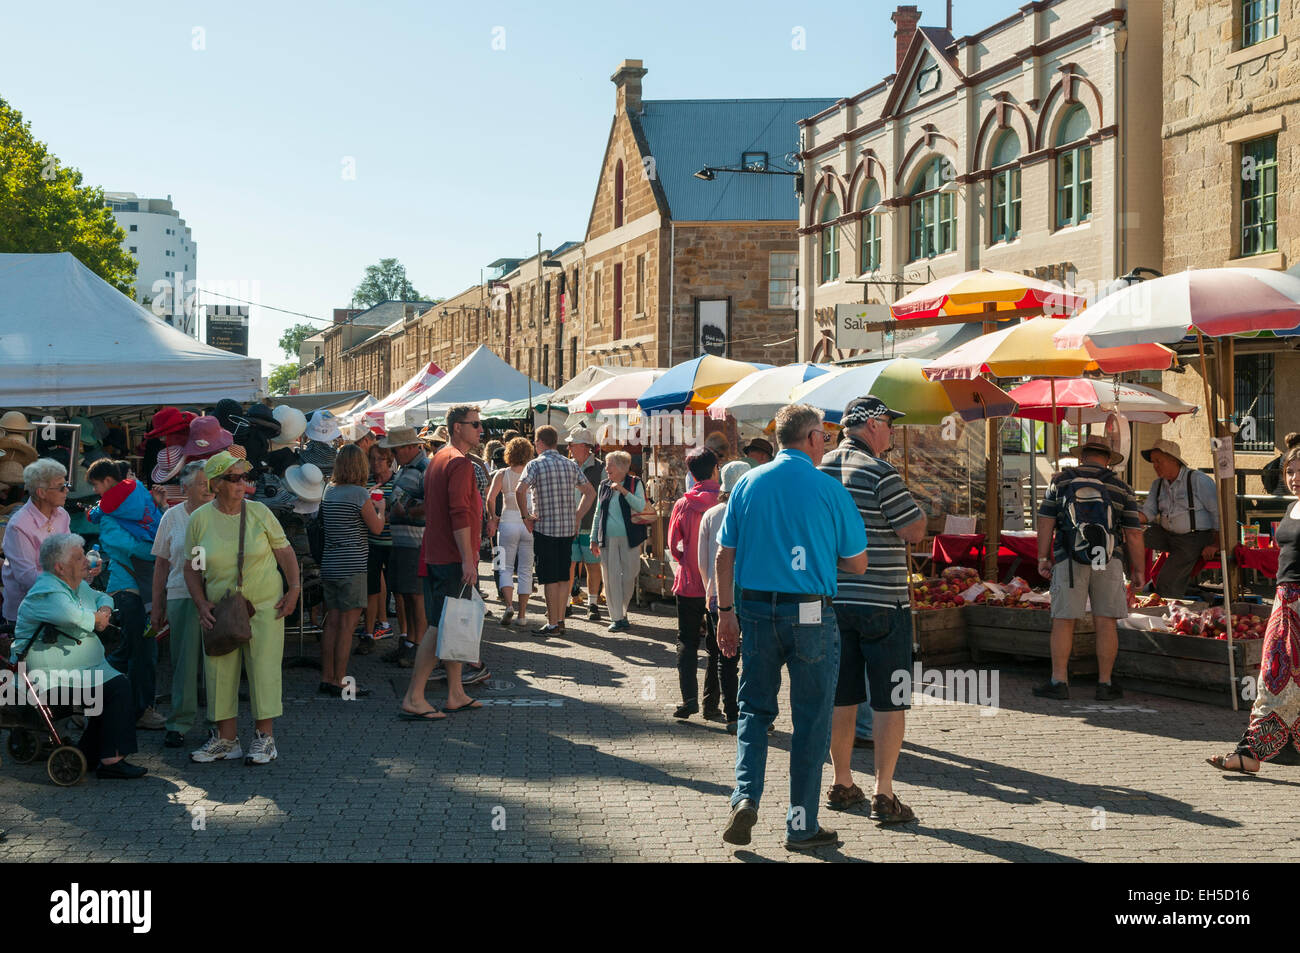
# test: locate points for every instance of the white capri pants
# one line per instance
(516, 557)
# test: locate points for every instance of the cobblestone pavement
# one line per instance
(576, 758)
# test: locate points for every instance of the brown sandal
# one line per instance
(1220, 761)
(890, 810)
(842, 797)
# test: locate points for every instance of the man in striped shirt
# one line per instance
(873, 609)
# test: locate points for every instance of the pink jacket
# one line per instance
(684, 536)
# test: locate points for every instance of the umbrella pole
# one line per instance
(992, 485)
(1212, 421)
(1054, 448)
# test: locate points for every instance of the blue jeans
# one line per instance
(135, 656)
(771, 637)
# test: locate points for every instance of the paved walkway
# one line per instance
(577, 757)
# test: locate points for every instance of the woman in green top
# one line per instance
(214, 529)
(74, 661)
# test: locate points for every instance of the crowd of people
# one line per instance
(793, 558)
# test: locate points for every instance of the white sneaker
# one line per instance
(218, 749)
(507, 616)
(262, 750)
(521, 621)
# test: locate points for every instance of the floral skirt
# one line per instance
(1274, 731)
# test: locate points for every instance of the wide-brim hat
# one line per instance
(261, 417)
(583, 435)
(731, 474)
(306, 481)
(222, 463)
(169, 420)
(18, 450)
(1100, 445)
(16, 420)
(400, 437)
(323, 426)
(170, 462)
(11, 471)
(293, 423)
(758, 443)
(306, 507)
(1166, 447)
(207, 437)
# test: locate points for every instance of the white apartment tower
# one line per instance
(166, 254)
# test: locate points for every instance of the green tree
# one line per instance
(291, 340)
(45, 208)
(385, 281)
(281, 378)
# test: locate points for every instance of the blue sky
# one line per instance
(462, 152)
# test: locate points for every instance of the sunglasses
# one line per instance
(476, 424)
(234, 477)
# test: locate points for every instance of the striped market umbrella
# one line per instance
(1212, 301)
(757, 397)
(970, 291)
(615, 393)
(901, 384)
(1089, 401)
(695, 384)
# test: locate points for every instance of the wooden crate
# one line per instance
(940, 635)
(1188, 666)
(1025, 633)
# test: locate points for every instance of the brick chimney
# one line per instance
(905, 19)
(627, 79)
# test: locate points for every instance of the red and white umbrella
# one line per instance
(1213, 301)
(1089, 401)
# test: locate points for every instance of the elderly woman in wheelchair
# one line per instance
(55, 639)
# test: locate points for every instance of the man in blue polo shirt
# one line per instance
(787, 530)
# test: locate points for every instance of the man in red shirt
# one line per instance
(453, 517)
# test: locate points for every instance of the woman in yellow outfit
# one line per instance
(214, 528)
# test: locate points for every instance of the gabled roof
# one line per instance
(934, 40)
(684, 135)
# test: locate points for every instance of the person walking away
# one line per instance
(873, 610)
(1273, 733)
(128, 522)
(376, 625)
(582, 449)
(707, 555)
(173, 606)
(217, 528)
(1181, 515)
(450, 554)
(1088, 514)
(615, 539)
(688, 587)
(515, 553)
(406, 521)
(787, 529)
(757, 452)
(347, 513)
(553, 520)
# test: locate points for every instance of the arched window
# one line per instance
(1004, 195)
(1073, 169)
(934, 222)
(830, 241)
(618, 194)
(869, 252)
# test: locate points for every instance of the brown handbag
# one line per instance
(233, 613)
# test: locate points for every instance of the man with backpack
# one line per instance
(1086, 516)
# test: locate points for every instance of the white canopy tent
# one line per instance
(479, 378)
(70, 339)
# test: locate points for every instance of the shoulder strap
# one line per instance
(239, 562)
(1191, 499)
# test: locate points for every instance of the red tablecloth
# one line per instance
(967, 549)
(1264, 560)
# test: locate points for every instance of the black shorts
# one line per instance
(376, 568)
(442, 581)
(553, 557)
(404, 570)
(875, 648)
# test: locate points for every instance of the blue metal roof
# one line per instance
(684, 135)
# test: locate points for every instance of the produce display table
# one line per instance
(1017, 554)
(1263, 560)
(1026, 633)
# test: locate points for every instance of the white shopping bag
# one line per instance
(460, 627)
